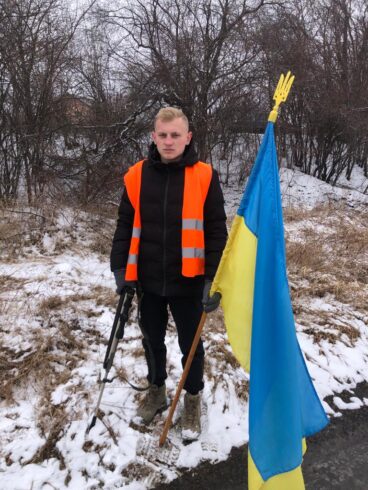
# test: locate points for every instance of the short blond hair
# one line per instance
(167, 114)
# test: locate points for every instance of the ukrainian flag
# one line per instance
(283, 405)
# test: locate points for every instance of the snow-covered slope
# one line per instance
(56, 309)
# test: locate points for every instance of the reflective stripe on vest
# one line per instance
(196, 184)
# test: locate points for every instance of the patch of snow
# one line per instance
(352, 405)
(302, 190)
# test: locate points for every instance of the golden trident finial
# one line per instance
(281, 94)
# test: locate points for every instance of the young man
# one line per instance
(170, 235)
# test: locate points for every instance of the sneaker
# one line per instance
(191, 421)
(154, 402)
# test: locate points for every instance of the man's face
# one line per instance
(171, 138)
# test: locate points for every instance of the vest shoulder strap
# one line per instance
(132, 181)
(205, 176)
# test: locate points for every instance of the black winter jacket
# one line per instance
(161, 201)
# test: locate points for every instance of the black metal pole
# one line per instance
(117, 333)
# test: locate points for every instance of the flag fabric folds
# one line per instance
(283, 405)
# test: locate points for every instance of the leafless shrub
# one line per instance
(24, 226)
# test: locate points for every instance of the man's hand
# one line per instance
(210, 303)
(121, 283)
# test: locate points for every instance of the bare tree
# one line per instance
(193, 54)
(10, 164)
(77, 98)
(35, 36)
(108, 136)
(325, 44)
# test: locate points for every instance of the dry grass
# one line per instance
(101, 244)
(9, 231)
(320, 335)
(8, 283)
(136, 471)
(54, 422)
(325, 325)
(321, 211)
(333, 333)
(332, 265)
(222, 358)
(45, 365)
(56, 350)
(346, 291)
(333, 262)
(22, 226)
(99, 295)
(49, 304)
(351, 332)
(351, 292)
(100, 224)
(105, 297)
(18, 367)
(306, 256)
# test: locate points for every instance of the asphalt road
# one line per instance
(337, 458)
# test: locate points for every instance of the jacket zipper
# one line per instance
(165, 233)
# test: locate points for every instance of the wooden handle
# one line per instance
(182, 379)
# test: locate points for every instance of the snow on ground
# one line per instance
(57, 305)
(299, 189)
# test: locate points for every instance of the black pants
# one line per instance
(186, 312)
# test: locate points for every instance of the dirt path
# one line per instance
(337, 458)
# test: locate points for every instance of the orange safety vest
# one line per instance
(196, 184)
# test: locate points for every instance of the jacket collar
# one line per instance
(188, 159)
